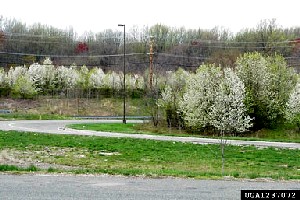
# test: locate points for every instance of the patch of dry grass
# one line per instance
(47, 105)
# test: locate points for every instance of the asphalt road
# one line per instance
(58, 127)
(41, 187)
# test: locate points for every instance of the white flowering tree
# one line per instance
(228, 113)
(14, 73)
(171, 95)
(112, 80)
(139, 82)
(2, 78)
(177, 79)
(84, 77)
(43, 76)
(199, 97)
(47, 77)
(293, 106)
(215, 99)
(24, 87)
(283, 81)
(268, 82)
(18, 81)
(96, 78)
(129, 82)
(67, 78)
(4, 86)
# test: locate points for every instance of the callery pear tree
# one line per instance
(199, 97)
(171, 95)
(215, 99)
(268, 82)
(293, 106)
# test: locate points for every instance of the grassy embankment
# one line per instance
(90, 154)
(20, 152)
(284, 133)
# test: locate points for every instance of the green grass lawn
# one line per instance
(126, 156)
(281, 134)
(113, 127)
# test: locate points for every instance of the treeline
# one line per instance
(259, 92)
(173, 47)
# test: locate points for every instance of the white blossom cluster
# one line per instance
(209, 98)
(167, 98)
(200, 95)
(229, 112)
(97, 78)
(47, 76)
(134, 81)
(67, 77)
(177, 80)
(19, 81)
(261, 87)
(113, 80)
(293, 105)
(224, 99)
(174, 89)
(14, 73)
(2, 77)
(24, 87)
(43, 76)
(268, 82)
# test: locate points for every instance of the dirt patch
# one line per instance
(26, 159)
(69, 107)
(18, 104)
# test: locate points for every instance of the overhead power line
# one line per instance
(119, 55)
(181, 56)
(70, 56)
(246, 47)
(34, 41)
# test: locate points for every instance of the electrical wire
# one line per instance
(71, 56)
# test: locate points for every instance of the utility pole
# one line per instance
(124, 73)
(151, 62)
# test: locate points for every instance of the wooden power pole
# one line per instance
(151, 62)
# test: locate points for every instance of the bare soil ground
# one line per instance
(28, 158)
(71, 107)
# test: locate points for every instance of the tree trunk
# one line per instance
(223, 143)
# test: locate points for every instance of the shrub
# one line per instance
(293, 106)
(215, 99)
(24, 88)
(171, 95)
(268, 82)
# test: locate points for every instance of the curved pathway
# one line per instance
(59, 127)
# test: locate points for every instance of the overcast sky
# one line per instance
(97, 15)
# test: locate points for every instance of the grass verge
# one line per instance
(127, 156)
(280, 134)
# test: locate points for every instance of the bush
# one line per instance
(24, 88)
(171, 95)
(268, 83)
(215, 99)
(293, 106)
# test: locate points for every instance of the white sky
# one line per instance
(97, 15)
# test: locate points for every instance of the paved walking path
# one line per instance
(58, 127)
